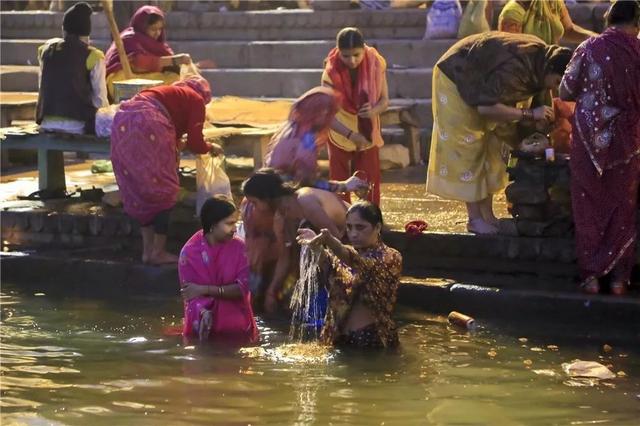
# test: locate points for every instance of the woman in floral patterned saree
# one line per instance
(482, 81)
(363, 282)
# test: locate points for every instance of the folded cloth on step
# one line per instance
(415, 227)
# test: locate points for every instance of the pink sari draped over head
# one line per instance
(216, 265)
(136, 41)
(293, 150)
(368, 88)
(604, 79)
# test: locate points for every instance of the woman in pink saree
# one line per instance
(214, 275)
(603, 78)
(145, 147)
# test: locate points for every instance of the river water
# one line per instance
(80, 361)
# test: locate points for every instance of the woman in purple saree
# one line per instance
(603, 77)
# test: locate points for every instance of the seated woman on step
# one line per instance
(291, 206)
(363, 282)
(149, 54)
(214, 278)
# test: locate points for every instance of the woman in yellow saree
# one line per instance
(547, 19)
(477, 85)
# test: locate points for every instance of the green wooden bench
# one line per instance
(51, 146)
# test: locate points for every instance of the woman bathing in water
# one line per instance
(317, 208)
(363, 282)
(214, 276)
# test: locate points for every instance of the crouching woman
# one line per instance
(214, 275)
(363, 283)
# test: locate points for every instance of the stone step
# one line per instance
(254, 82)
(421, 113)
(258, 25)
(258, 54)
(266, 25)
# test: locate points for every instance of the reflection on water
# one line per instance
(80, 361)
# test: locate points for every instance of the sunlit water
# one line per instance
(79, 361)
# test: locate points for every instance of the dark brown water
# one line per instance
(80, 361)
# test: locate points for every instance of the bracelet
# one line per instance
(527, 114)
(174, 62)
(349, 134)
(220, 291)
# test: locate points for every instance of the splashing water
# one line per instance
(304, 298)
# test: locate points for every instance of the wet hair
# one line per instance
(153, 18)
(367, 211)
(349, 38)
(266, 184)
(214, 210)
(558, 60)
(624, 12)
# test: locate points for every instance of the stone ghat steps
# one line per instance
(264, 82)
(259, 54)
(267, 25)
(406, 86)
(258, 25)
(448, 254)
(116, 273)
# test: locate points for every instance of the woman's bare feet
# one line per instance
(481, 227)
(591, 286)
(162, 258)
(619, 288)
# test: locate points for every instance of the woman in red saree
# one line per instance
(145, 45)
(603, 78)
(358, 73)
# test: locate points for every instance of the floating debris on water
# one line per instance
(587, 369)
(545, 372)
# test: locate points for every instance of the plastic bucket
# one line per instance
(127, 89)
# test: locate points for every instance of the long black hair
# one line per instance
(367, 211)
(349, 38)
(267, 185)
(214, 210)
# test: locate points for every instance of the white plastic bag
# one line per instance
(211, 179)
(443, 19)
(104, 120)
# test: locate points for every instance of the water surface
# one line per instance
(81, 361)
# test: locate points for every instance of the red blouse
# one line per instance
(187, 111)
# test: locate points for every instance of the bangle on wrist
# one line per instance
(349, 134)
(174, 62)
